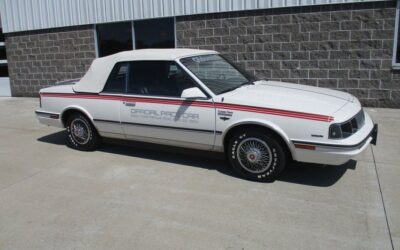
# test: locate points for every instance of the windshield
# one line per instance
(216, 73)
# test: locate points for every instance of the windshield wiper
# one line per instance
(238, 86)
(246, 83)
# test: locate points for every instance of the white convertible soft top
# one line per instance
(95, 78)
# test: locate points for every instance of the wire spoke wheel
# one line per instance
(80, 131)
(254, 155)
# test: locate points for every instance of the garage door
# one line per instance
(5, 86)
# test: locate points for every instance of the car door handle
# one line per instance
(130, 104)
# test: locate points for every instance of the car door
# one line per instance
(154, 111)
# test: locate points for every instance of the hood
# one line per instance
(289, 96)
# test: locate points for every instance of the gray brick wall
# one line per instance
(346, 47)
(38, 59)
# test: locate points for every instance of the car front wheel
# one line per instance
(82, 135)
(256, 155)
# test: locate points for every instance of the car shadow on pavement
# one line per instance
(296, 172)
(314, 174)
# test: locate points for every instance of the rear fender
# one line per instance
(77, 108)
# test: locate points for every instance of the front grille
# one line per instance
(353, 125)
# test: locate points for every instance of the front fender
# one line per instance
(263, 123)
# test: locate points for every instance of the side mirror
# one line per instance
(193, 93)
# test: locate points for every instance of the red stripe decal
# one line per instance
(261, 110)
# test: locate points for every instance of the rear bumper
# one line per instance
(49, 118)
(333, 154)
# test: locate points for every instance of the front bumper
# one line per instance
(334, 154)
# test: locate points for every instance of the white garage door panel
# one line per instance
(5, 89)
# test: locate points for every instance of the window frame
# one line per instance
(177, 63)
(396, 65)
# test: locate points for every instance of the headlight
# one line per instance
(346, 129)
(335, 132)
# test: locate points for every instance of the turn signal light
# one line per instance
(304, 146)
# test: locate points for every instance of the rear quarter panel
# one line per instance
(93, 107)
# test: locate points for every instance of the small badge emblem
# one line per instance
(224, 115)
(224, 118)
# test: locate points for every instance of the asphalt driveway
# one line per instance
(141, 196)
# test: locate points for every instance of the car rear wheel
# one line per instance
(82, 135)
(256, 155)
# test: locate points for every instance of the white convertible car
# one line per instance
(198, 99)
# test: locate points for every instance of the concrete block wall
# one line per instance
(38, 59)
(345, 46)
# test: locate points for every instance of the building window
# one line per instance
(155, 33)
(3, 70)
(1, 36)
(116, 37)
(113, 38)
(3, 53)
(3, 56)
(396, 45)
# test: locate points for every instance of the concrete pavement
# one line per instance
(140, 196)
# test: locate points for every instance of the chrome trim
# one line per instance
(159, 126)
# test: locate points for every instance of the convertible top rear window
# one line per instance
(116, 82)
